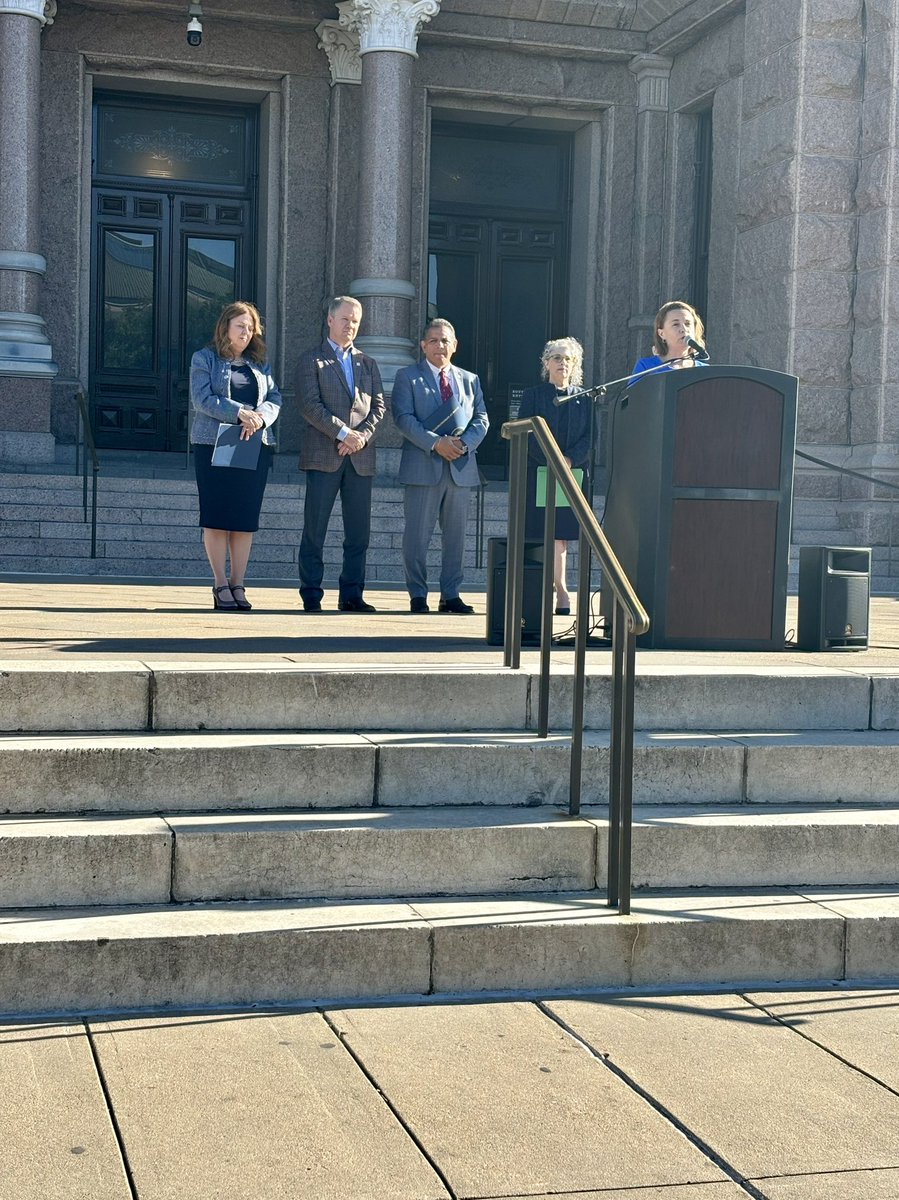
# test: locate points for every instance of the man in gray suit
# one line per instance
(439, 409)
(342, 399)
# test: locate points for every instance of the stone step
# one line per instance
(177, 773)
(83, 960)
(379, 853)
(105, 696)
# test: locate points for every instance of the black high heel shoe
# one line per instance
(563, 610)
(220, 603)
(241, 601)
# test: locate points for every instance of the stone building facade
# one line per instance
(527, 168)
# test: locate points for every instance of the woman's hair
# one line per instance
(256, 347)
(566, 345)
(659, 345)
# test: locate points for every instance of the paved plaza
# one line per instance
(96, 617)
(768, 1093)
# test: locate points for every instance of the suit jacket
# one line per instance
(415, 397)
(569, 423)
(327, 406)
(210, 395)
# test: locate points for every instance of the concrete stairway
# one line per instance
(194, 835)
(147, 526)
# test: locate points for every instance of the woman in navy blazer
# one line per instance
(231, 382)
(562, 367)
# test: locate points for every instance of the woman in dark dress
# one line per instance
(231, 381)
(562, 365)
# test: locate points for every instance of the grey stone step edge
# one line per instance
(123, 860)
(80, 961)
(127, 695)
(179, 773)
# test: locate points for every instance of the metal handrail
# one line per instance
(629, 618)
(885, 483)
(84, 434)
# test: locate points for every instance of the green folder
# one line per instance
(561, 498)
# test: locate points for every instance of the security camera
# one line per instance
(194, 32)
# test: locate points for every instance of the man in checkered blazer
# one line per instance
(342, 400)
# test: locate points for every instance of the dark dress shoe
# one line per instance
(454, 604)
(419, 604)
(563, 610)
(312, 606)
(358, 605)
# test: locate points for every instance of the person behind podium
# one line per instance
(675, 323)
(231, 382)
(562, 368)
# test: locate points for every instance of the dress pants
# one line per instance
(424, 505)
(322, 488)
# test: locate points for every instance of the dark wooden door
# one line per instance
(497, 255)
(173, 241)
(164, 266)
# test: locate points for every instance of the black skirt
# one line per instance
(230, 497)
(567, 528)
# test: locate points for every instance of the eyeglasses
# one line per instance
(568, 358)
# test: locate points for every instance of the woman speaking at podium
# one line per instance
(679, 340)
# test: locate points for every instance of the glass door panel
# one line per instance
(210, 282)
(128, 334)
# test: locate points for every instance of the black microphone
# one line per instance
(701, 353)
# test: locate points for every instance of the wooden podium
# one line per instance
(699, 503)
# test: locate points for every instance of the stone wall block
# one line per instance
(771, 25)
(823, 298)
(869, 297)
(834, 19)
(707, 65)
(764, 249)
(867, 364)
(766, 195)
(873, 238)
(878, 57)
(824, 241)
(822, 355)
(827, 184)
(876, 121)
(771, 81)
(830, 126)
(768, 347)
(833, 69)
(764, 302)
(823, 415)
(816, 485)
(866, 403)
(769, 138)
(891, 285)
(874, 181)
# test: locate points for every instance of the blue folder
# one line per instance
(231, 450)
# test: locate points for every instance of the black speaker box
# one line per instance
(834, 597)
(496, 592)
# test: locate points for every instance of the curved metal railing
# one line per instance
(629, 618)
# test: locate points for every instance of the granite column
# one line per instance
(388, 36)
(26, 358)
(653, 73)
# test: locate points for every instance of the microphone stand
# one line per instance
(596, 393)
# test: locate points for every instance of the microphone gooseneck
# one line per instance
(700, 351)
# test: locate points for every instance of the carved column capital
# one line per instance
(653, 72)
(387, 24)
(42, 10)
(341, 44)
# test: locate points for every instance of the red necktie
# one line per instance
(446, 388)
